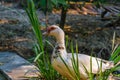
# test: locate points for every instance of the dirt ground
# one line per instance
(16, 32)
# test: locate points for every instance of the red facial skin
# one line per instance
(49, 29)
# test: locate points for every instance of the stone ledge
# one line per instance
(15, 67)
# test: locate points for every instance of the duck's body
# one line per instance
(83, 60)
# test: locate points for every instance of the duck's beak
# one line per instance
(45, 33)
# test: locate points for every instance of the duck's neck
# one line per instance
(60, 45)
(60, 42)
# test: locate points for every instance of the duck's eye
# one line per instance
(50, 29)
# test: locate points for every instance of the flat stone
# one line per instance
(16, 67)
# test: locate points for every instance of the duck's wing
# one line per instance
(85, 61)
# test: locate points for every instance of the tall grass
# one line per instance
(115, 55)
(42, 60)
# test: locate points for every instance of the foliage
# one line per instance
(49, 4)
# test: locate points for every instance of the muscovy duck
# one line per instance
(83, 60)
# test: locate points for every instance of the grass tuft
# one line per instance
(42, 60)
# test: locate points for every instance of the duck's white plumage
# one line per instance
(83, 59)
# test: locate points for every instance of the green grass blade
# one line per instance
(115, 53)
(66, 42)
(101, 73)
(67, 66)
(90, 73)
(113, 41)
(85, 69)
(31, 11)
(75, 63)
(117, 59)
(38, 56)
(50, 44)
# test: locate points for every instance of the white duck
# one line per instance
(83, 59)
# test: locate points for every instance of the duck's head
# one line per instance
(55, 31)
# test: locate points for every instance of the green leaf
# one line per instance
(63, 2)
(58, 2)
(55, 2)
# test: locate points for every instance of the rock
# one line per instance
(16, 67)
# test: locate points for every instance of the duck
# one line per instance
(60, 58)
